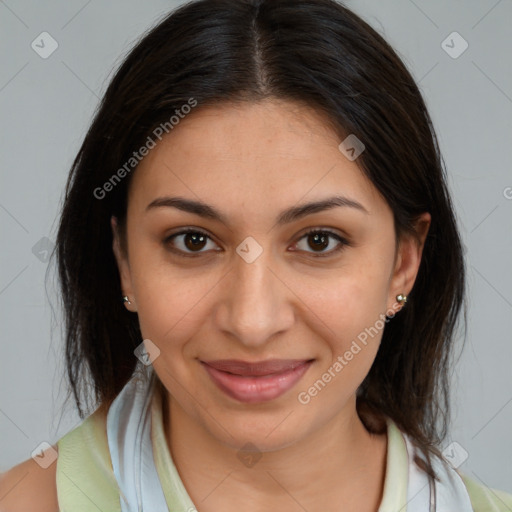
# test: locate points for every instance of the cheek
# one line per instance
(338, 303)
(348, 300)
(350, 309)
(168, 309)
(170, 300)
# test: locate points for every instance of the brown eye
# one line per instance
(188, 241)
(191, 242)
(194, 241)
(320, 240)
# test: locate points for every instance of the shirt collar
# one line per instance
(394, 495)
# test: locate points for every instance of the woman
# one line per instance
(262, 274)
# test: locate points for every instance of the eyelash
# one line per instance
(341, 246)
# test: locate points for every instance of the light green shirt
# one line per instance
(86, 482)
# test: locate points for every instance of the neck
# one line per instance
(339, 464)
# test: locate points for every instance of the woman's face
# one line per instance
(254, 286)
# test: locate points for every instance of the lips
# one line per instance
(256, 369)
(253, 382)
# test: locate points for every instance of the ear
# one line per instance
(408, 260)
(123, 266)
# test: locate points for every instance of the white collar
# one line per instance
(131, 452)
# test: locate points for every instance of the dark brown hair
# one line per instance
(316, 52)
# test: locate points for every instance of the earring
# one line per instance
(402, 299)
(126, 300)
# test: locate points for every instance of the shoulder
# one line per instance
(84, 467)
(29, 487)
(81, 474)
(486, 499)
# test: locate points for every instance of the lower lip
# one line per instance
(256, 389)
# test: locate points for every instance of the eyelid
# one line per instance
(167, 241)
(330, 232)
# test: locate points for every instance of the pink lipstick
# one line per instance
(253, 382)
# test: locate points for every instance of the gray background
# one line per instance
(47, 105)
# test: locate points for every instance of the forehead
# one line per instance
(251, 156)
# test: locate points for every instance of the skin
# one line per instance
(250, 161)
(28, 487)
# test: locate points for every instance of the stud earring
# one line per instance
(126, 300)
(402, 299)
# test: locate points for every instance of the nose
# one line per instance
(256, 304)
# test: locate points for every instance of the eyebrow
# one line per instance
(285, 217)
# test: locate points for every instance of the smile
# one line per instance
(256, 382)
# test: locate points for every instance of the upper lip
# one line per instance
(258, 368)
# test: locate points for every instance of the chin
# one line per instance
(274, 432)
